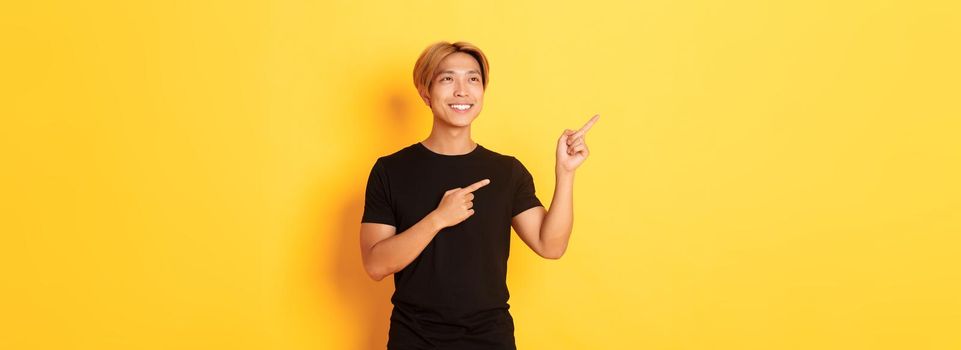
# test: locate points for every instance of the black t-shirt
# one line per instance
(455, 292)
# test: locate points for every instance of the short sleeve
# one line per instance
(377, 206)
(524, 194)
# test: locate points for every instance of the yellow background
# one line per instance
(764, 175)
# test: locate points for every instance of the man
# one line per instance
(453, 203)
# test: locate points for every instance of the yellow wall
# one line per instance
(765, 175)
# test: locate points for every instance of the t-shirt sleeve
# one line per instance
(524, 194)
(377, 206)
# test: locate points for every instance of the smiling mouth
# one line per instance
(461, 107)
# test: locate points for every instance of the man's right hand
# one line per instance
(456, 204)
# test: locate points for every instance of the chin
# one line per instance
(461, 121)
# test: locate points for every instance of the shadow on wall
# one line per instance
(369, 300)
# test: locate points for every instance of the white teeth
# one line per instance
(461, 107)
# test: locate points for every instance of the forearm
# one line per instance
(395, 253)
(556, 230)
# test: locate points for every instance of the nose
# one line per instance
(459, 89)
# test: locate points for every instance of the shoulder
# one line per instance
(391, 160)
(517, 168)
(492, 154)
(503, 160)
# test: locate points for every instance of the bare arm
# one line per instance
(556, 231)
(548, 233)
(385, 252)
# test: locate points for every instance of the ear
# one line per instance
(426, 98)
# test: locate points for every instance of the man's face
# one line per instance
(457, 91)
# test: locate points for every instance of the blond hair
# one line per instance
(431, 57)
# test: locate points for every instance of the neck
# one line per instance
(449, 140)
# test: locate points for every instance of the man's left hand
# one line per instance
(572, 147)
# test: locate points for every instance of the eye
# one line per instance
(475, 79)
(445, 78)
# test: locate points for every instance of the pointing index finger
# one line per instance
(586, 127)
(473, 187)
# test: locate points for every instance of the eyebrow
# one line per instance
(468, 72)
